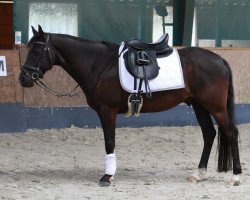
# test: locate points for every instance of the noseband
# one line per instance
(36, 71)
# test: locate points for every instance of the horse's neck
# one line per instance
(78, 59)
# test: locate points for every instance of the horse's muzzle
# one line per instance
(25, 80)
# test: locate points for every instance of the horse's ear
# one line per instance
(40, 30)
(34, 30)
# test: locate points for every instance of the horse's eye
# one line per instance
(36, 51)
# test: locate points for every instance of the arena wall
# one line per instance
(24, 108)
(239, 61)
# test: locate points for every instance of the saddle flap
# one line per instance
(141, 64)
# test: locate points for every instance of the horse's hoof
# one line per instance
(194, 179)
(199, 175)
(235, 181)
(106, 180)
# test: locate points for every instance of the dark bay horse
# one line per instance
(94, 66)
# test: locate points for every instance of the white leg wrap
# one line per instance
(199, 175)
(110, 164)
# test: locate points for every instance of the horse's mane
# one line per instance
(109, 44)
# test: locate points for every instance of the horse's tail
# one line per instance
(224, 149)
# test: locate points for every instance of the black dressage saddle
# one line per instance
(141, 59)
(141, 62)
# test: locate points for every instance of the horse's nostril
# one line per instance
(21, 79)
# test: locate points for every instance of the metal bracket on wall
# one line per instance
(6, 2)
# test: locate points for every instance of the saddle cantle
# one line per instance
(141, 62)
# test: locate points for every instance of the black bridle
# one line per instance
(35, 73)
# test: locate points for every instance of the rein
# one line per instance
(47, 89)
(37, 73)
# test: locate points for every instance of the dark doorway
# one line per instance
(6, 24)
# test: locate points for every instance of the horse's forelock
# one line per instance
(30, 43)
(34, 39)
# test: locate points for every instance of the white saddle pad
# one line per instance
(170, 74)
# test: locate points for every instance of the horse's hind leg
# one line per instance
(209, 133)
(228, 146)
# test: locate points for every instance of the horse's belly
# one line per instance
(161, 101)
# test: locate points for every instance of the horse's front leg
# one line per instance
(108, 120)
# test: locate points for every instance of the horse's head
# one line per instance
(39, 58)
